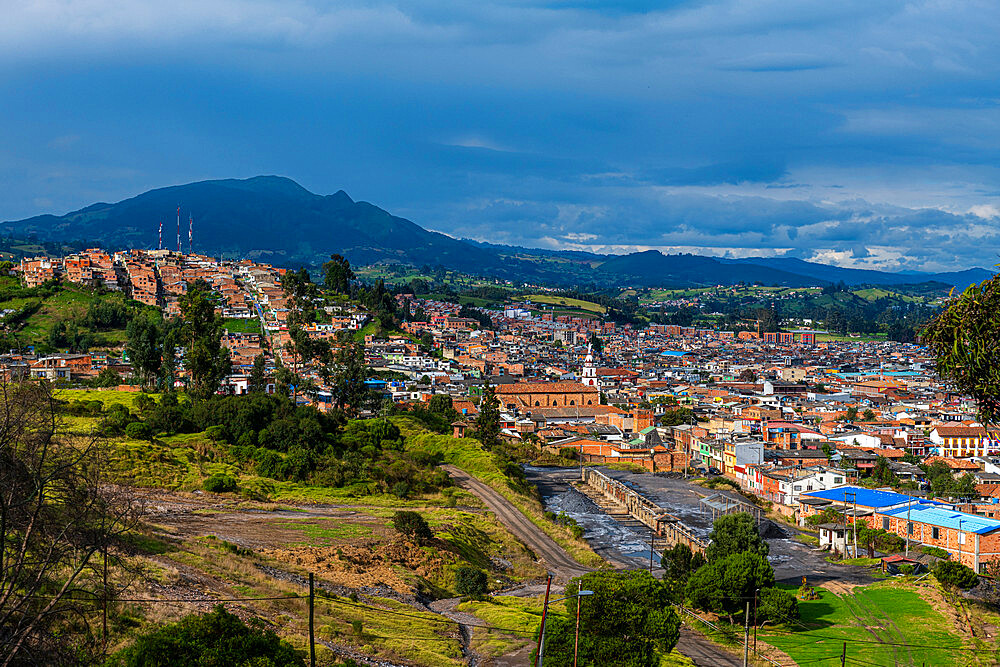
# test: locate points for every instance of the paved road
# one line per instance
(558, 562)
(703, 652)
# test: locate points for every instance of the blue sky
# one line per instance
(857, 133)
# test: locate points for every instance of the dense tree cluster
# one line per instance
(737, 568)
(628, 620)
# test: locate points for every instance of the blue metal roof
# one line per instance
(865, 497)
(673, 353)
(945, 518)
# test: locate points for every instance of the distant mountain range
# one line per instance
(274, 219)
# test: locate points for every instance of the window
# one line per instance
(838, 480)
(935, 533)
(885, 523)
(798, 487)
(572, 402)
(961, 537)
(909, 528)
(537, 404)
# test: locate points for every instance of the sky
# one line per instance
(861, 133)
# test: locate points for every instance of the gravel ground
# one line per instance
(790, 559)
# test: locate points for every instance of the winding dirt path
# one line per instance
(559, 563)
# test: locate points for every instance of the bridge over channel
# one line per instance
(662, 523)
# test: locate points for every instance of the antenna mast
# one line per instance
(178, 230)
(190, 232)
(161, 236)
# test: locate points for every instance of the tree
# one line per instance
(628, 622)
(488, 421)
(963, 340)
(257, 382)
(868, 415)
(138, 431)
(427, 340)
(144, 347)
(337, 274)
(748, 375)
(882, 472)
(348, 380)
(108, 377)
(776, 605)
(470, 581)
(724, 585)
(58, 516)
(440, 404)
(734, 534)
(412, 525)
(215, 639)
(679, 562)
(677, 416)
(206, 360)
(953, 573)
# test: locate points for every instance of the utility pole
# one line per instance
(854, 497)
(755, 594)
(545, 609)
(312, 637)
(746, 636)
(651, 537)
(843, 656)
(906, 538)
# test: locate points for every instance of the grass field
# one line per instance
(876, 622)
(575, 304)
(251, 326)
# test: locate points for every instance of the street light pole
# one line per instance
(576, 635)
(539, 656)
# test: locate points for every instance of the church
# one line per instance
(528, 395)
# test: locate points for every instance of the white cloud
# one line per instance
(985, 211)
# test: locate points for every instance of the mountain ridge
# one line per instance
(273, 218)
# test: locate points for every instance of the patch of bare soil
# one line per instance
(368, 563)
(839, 587)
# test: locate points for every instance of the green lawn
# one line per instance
(251, 326)
(868, 620)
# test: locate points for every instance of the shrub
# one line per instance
(952, 573)
(216, 639)
(470, 581)
(138, 431)
(937, 552)
(411, 525)
(776, 605)
(221, 483)
(401, 489)
(357, 627)
(215, 433)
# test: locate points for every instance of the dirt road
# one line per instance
(558, 562)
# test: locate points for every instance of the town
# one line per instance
(778, 413)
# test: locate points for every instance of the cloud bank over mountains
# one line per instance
(857, 133)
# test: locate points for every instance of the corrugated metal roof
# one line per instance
(945, 518)
(865, 497)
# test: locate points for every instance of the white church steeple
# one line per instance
(589, 370)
